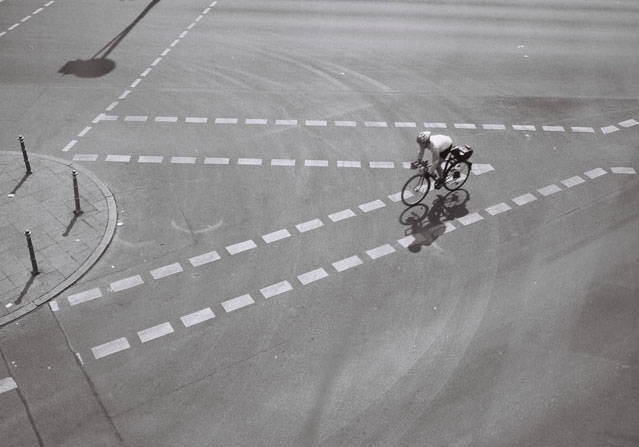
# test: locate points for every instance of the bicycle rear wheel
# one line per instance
(415, 189)
(456, 174)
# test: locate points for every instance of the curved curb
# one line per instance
(90, 261)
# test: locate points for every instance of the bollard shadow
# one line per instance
(71, 224)
(99, 64)
(20, 183)
(25, 289)
(426, 224)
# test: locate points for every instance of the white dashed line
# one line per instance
(124, 94)
(349, 164)
(594, 173)
(470, 219)
(69, 145)
(85, 157)
(609, 129)
(285, 122)
(110, 348)
(205, 258)
(553, 128)
(191, 25)
(174, 43)
(3, 33)
(14, 26)
(572, 181)
(182, 34)
(197, 317)
(136, 118)
(37, 11)
(25, 19)
(216, 161)
(375, 124)
(479, 168)
(241, 247)
(316, 163)
(165, 52)
(183, 160)
(523, 127)
(249, 161)
(380, 251)
(135, 83)
(150, 159)
(548, 190)
(276, 236)
(620, 170)
(345, 124)
(225, 120)
(347, 263)
(126, 283)
(49, 3)
(313, 275)
(156, 61)
(198, 18)
(494, 126)
(146, 72)
(583, 129)
(405, 124)
(83, 297)
(465, 126)
(166, 119)
(255, 121)
(206, 10)
(310, 225)
(84, 131)
(449, 227)
(282, 162)
(435, 125)
(371, 206)
(167, 270)
(395, 197)
(524, 199)
(276, 289)
(498, 209)
(237, 303)
(155, 332)
(382, 165)
(7, 384)
(119, 158)
(406, 241)
(341, 215)
(629, 123)
(315, 123)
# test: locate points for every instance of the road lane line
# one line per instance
(174, 43)
(165, 52)
(241, 247)
(54, 306)
(494, 126)
(197, 317)
(124, 94)
(316, 163)
(609, 129)
(205, 258)
(435, 125)
(380, 251)
(276, 236)
(282, 162)
(405, 124)
(620, 170)
(156, 61)
(146, 72)
(553, 128)
(345, 124)
(594, 173)
(312, 276)
(126, 283)
(341, 215)
(375, 124)
(349, 164)
(37, 11)
(155, 332)
(572, 181)
(347, 263)
(395, 197)
(198, 18)
(524, 127)
(498, 209)
(371, 206)
(84, 131)
(166, 270)
(110, 348)
(49, 3)
(191, 25)
(24, 19)
(7, 384)
(285, 122)
(309, 225)
(548, 190)
(225, 120)
(465, 126)
(216, 161)
(206, 10)
(276, 289)
(255, 121)
(83, 297)
(315, 123)
(183, 160)
(629, 123)
(479, 168)
(69, 145)
(14, 26)
(150, 159)
(118, 158)
(166, 119)
(136, 118)
(382, 165)
(237, 303)
(406, 241)
(470, 219)
(135, 83)
(85, 157)
(583, 129)
(524, 199)
(182, 34)
(249, 161)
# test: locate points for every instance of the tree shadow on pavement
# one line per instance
(426, 224)
(99, 64)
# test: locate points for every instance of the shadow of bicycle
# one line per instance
(426, 224)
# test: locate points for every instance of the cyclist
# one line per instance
(439, 147)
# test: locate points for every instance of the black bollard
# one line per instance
(24, 155)
(34, 264)
(76, 194)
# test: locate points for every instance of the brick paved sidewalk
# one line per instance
(65, 245)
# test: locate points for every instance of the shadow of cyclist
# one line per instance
(427, 224)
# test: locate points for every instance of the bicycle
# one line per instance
(456, 170)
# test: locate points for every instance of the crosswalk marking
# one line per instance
(629, 123)
(609, 129)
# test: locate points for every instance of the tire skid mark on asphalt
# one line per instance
(27, 17)
(317, 274)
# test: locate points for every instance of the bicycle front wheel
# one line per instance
(456, 175)
(415, 189)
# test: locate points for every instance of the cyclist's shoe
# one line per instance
(439, 183)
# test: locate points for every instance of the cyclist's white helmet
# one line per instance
(423, 137)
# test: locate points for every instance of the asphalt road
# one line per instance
(264, 286)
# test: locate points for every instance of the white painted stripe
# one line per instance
(110, 348)
(316, 163)
(276, 289)
(166, 119)
(166, 270)
(25, 18)
(109, 117)
(213, 4)
(126, 283)
(119, 158)
(7, 384)
(479, 168)
(124, 94)
(395, 197)
(69, 145)
(137, 118)
(83, 297)
(582, 129)
(345, 123)
(594, 173)
(382, 165)
(191, 25)
(309, 225)
(146, 72)
(225, 120)
(37, 11)
(375, 124)
(553, 128)
(155, 332)
(282, 162)
(197, 317)
(494, 126)
(49, 3)
(470, 219)
(54, 306)
(84, 131)
(85, 157)
(165, 52)
(112, 106)
(198, 18)
(406, 241)
(341, 215)
(183, 160)
(205, 258)
(174, 43)
(609, 129)
(572, 181)
(285, 122)
(347, 263)
(241, 247)
(620, 170)
(629, 123)
(405, 124)
(249, 161)
(216, 161)
(524, 199)
(435, 125)
(98, 118)
(548, 190)
(498, 209)
(315, 123)
(135, 83)
(371, 206)
(313, 275)
(449, 227)
(150, 159)
(523, 127)
(3, 33)
(349, 164)
(237, 303)
(465, 126)
(182, 34)
(156, 61)
(206, 11)
(256, 121)
(380, 251)
(276, 236)
(196, 120)
(14, 26)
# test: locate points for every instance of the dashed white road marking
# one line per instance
(435, 125)
(225, 120)
(249, 161)
(83, 297)
(7, 384)
(174, 43)
(136, 82)
(312, 276)
(198, 18)
(205, 258)
(118, 158)
(382, 165)
(124, 94)
(341, 215)
(479, 168)
(282, 162)
(465, 126)
(395, 197)
(609, 129)
(136, 118)
(183, 160)
(524, 199)
(375, 124)
(85, 157)
(156, 61)
(310, 225)
(498, 209)
(494, 126)
(182, 34)
(150, 159)
(370, 206)
(69, 145)
(406, 241)
(155, 332)
(405, 124)
(582, 129)
(112, 106)
(241, 247)
(191, 25)
(146, 72)
(196, 120)
(166, 119)
(276, 289)
(255, 121)
(621, 170)
(276, 236)
(470, 219)
(84, 131)
(449, 227)
(349, 164)
(553, 128)
(126, 283)
(14, 26)
(345, 124)
(380, 251)
(285, 122)
(216, 161)
(315, 123)
(316, 163)
(594, 173)
(572, 181)
(524, 127)
(24, 19)
(49, 3)
(197, 317)
(166, 270)
(347, 263)
(548, 190)
(37, 11)
(237, 303)
(629, 123)
(110, 348)
(165, 52)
